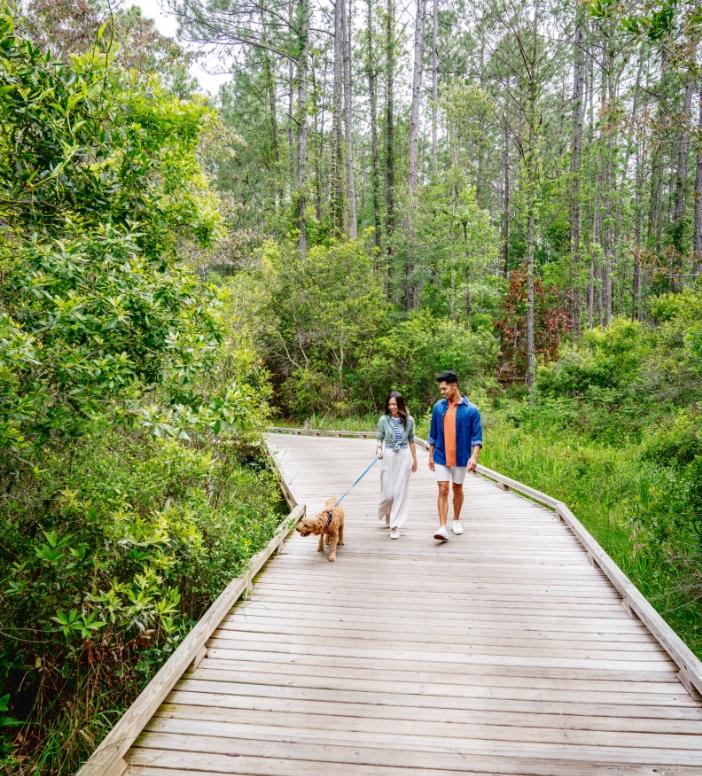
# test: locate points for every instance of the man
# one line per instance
(455, 441)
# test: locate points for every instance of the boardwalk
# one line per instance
(503, 651)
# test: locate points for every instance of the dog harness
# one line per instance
(329, 519)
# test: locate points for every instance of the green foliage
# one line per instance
(606, 358)
(410, 355)
(84, 144)
(132, 482)
(324, 309)
(337, 347)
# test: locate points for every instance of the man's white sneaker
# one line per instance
(441, 534)
(457, 527)
(395, 533)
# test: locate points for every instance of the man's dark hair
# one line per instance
(447, 377)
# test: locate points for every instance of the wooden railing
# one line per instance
(321, 432)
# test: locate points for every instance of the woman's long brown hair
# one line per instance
(402, 410)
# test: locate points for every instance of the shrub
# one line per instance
(606, 358)
(409, 356)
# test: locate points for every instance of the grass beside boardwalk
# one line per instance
(605, 486)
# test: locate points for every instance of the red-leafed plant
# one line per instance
(551, 322)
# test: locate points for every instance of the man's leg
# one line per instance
(443, 501)
(457, 500)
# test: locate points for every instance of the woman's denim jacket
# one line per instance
(386, 432)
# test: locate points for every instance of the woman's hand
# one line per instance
(414, 465)
(379, 452)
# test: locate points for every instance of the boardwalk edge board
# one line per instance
(690, 668)
(107, 759)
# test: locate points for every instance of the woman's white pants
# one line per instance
(394, 485)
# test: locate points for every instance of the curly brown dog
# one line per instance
(328, 523)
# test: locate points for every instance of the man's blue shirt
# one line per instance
(469, 431)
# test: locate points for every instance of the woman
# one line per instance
(399, 454)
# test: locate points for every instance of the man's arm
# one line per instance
(431, 457)
(473, 461)
(477, 440)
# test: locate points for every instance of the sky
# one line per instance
(167, 25)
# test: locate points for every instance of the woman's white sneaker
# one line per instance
(395, 533)
(441, 534)
(457, 527)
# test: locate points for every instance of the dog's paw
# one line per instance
(332, 558)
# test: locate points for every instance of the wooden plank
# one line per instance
(666, 673)
(497, 644)
(120, 738)
(683, 708)
(223, 737)
(185, 705)
(664, 685)
(370, 761)
(226, 684)
(414, 628)
(322, 432)
(500, 730)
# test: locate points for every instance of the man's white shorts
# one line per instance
(446, 473)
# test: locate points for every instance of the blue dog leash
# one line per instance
(375, 460)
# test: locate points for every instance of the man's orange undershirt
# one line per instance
(450, 433)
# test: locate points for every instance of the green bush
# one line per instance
(410, 355)
(132, 486)
(609, 358)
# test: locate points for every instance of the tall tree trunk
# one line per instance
(302, 156)
(656, 222)
(531, 348)
(375, 178)
(610, 176)
(435, 90)
(291, 106)
(270, 89)
(272, 110)
(390, 126)
(575, 161)
(697, 240)
(410, 295)
(638, 193)
(681, 186)
(481, 132)
(318, 134)
(347, 25)
(506, 203)
(682, 151)
(467, 300)
(337, 205)
(412, 173)
(531, 206)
